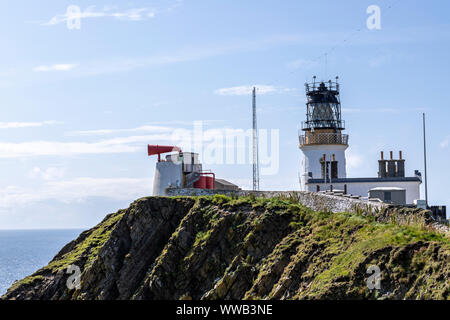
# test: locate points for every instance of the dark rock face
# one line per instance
(244, 248)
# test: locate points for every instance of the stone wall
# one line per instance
(312, 200)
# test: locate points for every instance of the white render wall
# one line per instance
(311, 161)
(362, 188)
(167, 174)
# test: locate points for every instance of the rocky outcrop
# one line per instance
(219, 247)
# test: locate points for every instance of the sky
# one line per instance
(85, 86)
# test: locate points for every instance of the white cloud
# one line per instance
(55, 67)
(444, 143)
(134, 14)
(15, 125)
(56, 148)
(76, 190)
(247, 89)
(354, 160)
(154, 129)
(187, 54)
(51, 173)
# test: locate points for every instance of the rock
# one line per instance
(216, 247)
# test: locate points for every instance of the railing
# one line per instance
(323, 138)
(322, 124)
(329, 85)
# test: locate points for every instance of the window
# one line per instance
(387, 196)
(329, 169)
(334, 170)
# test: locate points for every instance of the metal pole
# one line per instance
(331, 160)
(425, 160)
(255, 146)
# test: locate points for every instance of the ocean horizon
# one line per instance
(23, 252)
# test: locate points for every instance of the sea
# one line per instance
(22, 252)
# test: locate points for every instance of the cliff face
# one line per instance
(244, 248)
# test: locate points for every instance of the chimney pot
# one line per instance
(382, 155)
(392, 155)
(400, 155)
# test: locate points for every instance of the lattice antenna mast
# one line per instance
(255, 146)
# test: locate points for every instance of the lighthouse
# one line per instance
(323, 144)
(321, 136)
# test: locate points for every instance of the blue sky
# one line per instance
(78, 106)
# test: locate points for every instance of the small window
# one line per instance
(334, 170)
(388, 196)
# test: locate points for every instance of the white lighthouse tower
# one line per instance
(321, 139)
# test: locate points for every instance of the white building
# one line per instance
(323, 145)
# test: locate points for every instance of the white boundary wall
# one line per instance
(362, 188)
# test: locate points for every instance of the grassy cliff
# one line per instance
(245, 248)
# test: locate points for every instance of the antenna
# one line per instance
(255, 146)
(425, 160)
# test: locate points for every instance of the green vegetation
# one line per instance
(257, 248)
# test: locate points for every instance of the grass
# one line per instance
(89, 247)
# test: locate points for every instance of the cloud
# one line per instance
(154, 129)
(354, 159)
(198, 138)
(444, 143)
(186, 54)
(15, 125)
(51, 173)
(74, 13)
(247, 89)
(55, 67)
(56, 148)
(76, 190)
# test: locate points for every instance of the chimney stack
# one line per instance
(382, 172)
(392, 167)
(400, 165)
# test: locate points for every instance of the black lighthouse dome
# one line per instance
(323, 106)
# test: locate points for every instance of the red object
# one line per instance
(200, 183)
(205, 182)
(156, 149)
(209, 183)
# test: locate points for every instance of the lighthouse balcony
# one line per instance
(323, 138)
(323, 124)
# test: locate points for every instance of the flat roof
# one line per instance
(387, 189)
(225, 182)
(362, 180)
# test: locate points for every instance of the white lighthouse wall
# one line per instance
(362, 188)
(311, 161)
(167, 174)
